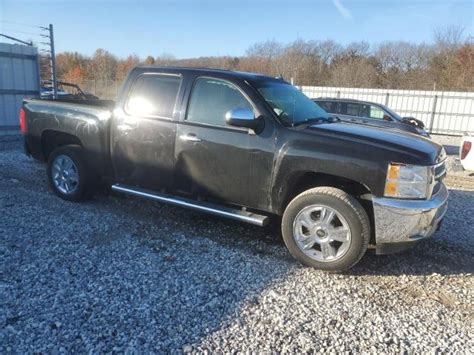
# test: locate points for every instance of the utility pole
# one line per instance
(52, 58)
(53, 62)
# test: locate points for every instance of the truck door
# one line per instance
(212, 158)
(143, 132)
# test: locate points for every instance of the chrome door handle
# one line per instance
(190, 138)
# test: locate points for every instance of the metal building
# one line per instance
(19, 78)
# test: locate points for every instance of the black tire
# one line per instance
(84, 189)
(348, 207)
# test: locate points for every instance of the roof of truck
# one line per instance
(204, 71)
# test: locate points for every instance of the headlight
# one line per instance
(407, 181)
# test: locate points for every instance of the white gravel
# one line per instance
(119, 274)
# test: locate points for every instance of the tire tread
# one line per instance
(350, 201)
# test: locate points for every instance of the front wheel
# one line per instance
(326, 228)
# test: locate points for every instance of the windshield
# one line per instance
(290, 104)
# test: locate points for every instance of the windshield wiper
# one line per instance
(313, 120)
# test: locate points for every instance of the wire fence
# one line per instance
(442, 112)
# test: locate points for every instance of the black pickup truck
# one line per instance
(247, 147)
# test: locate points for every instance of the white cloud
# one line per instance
(344, 11)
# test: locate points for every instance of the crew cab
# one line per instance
(371, 113)
(248, 147)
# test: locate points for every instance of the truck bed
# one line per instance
(86, 102)
(49, 122)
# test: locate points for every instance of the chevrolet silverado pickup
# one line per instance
(248, 147)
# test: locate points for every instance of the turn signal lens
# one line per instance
(407, 181)
(391, 189)
(393, 172)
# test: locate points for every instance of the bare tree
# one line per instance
(103, 65)
(149, 60)
(124, 66)
(448, 62)
(448, 38)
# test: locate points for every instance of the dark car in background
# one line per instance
(372, 114)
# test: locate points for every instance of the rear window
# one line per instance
(328, 106)
(153, 95)
(348, 108)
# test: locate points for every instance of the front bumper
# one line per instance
(398, 223)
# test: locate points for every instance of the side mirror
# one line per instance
(414, 122)
(243, 117)
(387, 118)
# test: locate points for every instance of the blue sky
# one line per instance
(187, 28)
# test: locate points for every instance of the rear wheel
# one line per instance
(67, 173)
(326, 228)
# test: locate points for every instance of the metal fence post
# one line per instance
(338, 94)
(433, 111)
(387, 95)
(52, 59)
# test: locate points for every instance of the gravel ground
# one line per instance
(118, 274)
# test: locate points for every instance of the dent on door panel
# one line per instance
(217, 167)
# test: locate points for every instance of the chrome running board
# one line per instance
(239, 215)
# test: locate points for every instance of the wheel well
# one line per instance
(309, 180)
(50, 140)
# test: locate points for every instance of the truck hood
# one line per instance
(418, 149)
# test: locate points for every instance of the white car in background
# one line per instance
(466, 152)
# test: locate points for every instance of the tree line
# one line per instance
(445, 64)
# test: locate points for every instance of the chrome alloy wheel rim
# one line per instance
(322, 233)
(65, 174)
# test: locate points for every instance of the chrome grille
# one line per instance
(439, 172)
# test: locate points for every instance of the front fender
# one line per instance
(294, 159)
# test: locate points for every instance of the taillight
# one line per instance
(466, 148)
(23, 121)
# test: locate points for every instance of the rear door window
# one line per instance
(349, 108)
(153, 95)
(328, 106)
